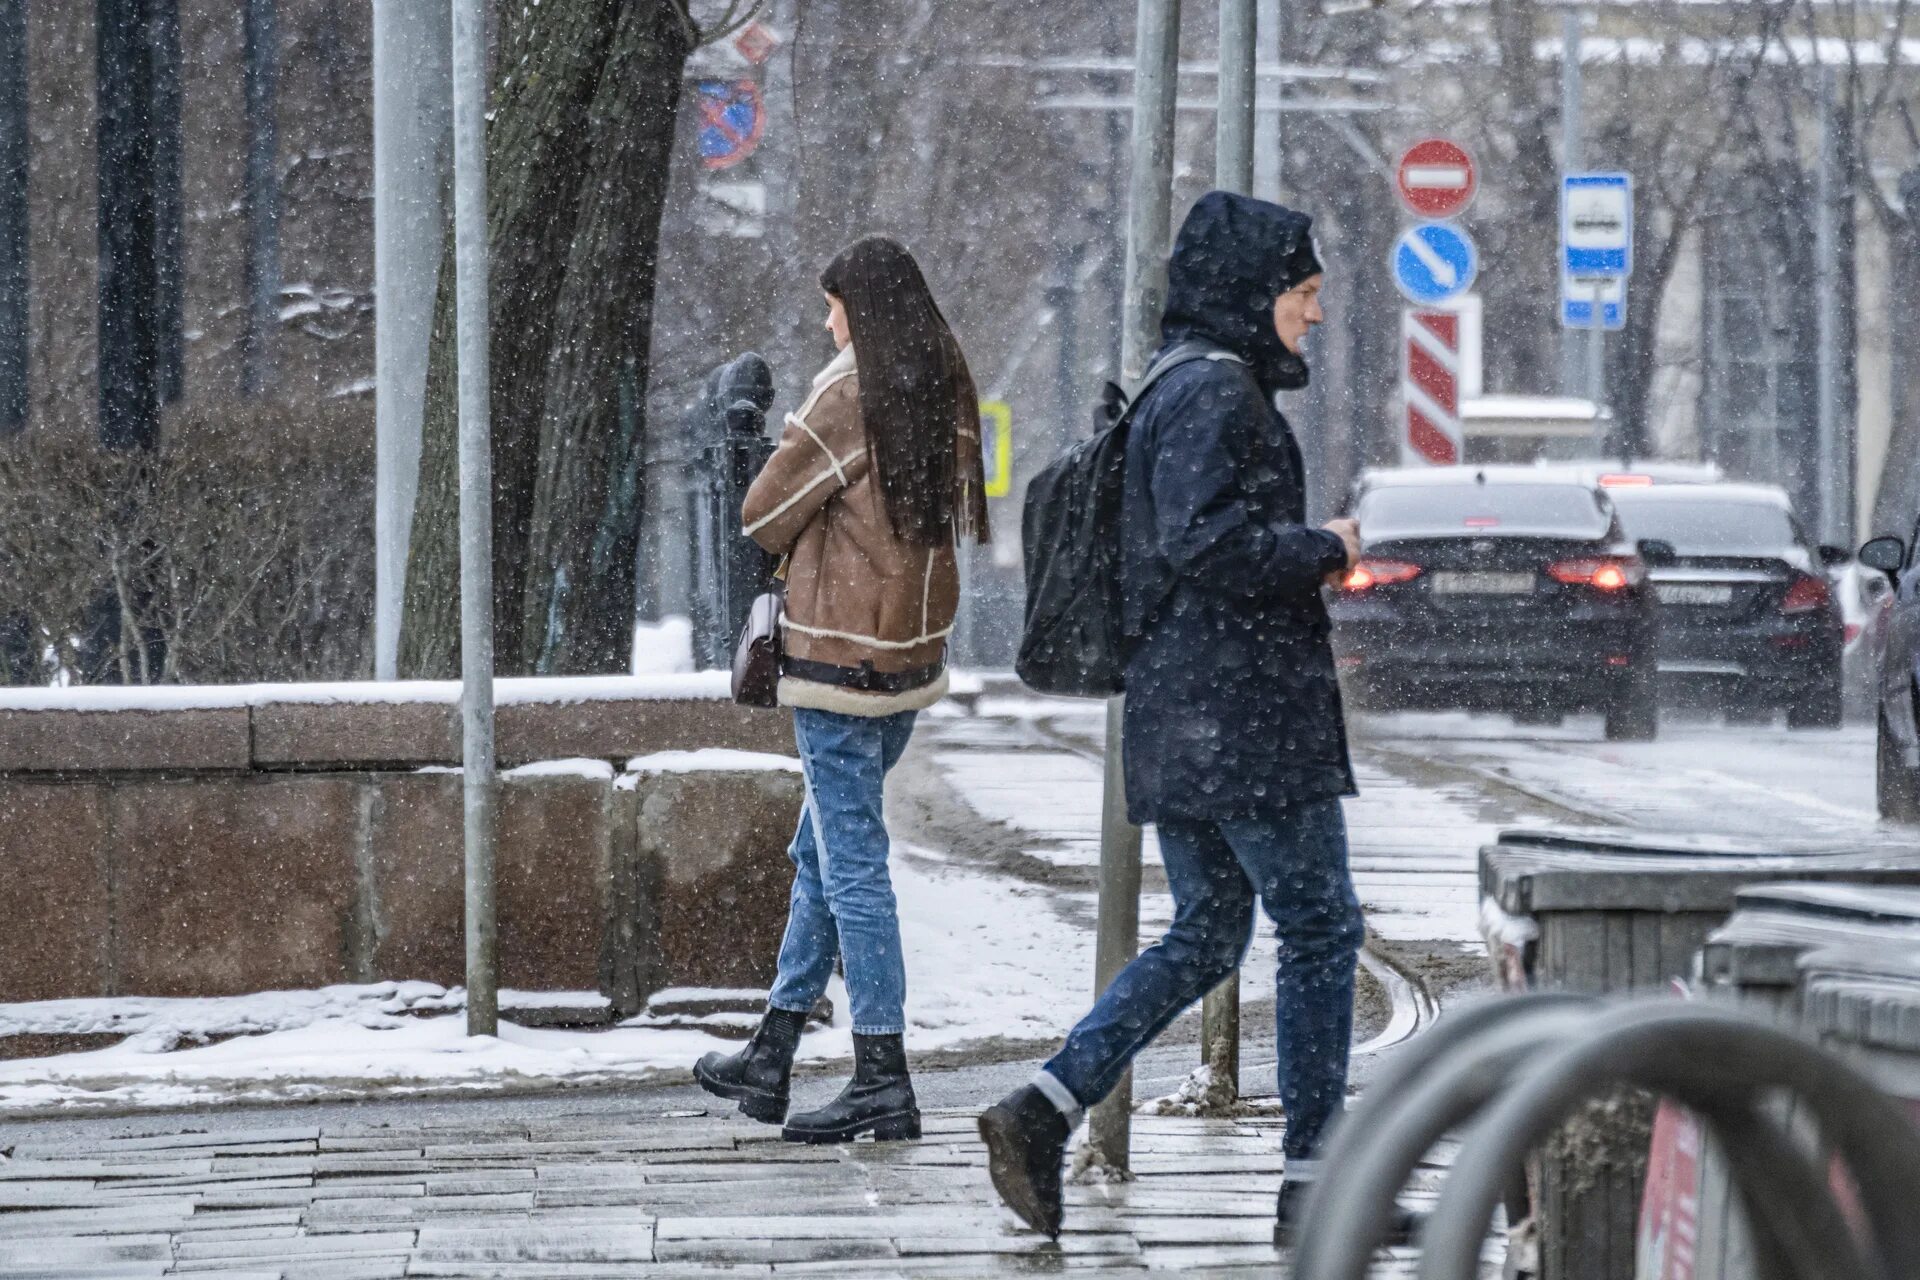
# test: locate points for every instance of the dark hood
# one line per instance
(1233, 257)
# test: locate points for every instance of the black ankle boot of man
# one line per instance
(878, 1100)
(1290, 1217)
(1026, 1137)
(757, 1077)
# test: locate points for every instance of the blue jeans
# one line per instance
(842, 902)
(1296, 863)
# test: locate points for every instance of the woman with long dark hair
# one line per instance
(876, 477)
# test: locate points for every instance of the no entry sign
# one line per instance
(1436, 178)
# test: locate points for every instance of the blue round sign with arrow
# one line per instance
(1434, 262)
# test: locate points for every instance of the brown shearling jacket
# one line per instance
(857, 595)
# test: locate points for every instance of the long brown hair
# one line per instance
(917, 397)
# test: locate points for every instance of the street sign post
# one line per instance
(1433, 263)
(1431, 432)
(1436, 179)
(1596, 257)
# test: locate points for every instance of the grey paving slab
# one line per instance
(686, 1196)
(302, 1247)
(712, 1252)
(48, 1250)
(581, 1244)
(18, 1170)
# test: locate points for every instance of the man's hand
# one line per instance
(1349, 531)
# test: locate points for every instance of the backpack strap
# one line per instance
(1184, 353)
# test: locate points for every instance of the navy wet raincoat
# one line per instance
(1233, 709)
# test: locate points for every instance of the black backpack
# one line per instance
(1074, 641)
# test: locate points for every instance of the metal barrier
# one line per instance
(1607, 913)
(1519, 1069)
(727, 427)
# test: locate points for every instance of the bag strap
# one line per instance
(1184, 353)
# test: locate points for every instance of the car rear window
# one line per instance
(1708, 528)
(1537, 510)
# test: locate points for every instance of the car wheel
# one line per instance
(1819, 705)
(1897, 788)
(1633, 714)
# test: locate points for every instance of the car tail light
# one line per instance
(1852, 632)
(1603, 573)
(1379, 573)
(1625, 481)
(1807, 594)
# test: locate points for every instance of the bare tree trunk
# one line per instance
(537, 153)
(578, 607)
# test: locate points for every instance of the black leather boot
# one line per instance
(1290, 1218)
(878, 1100)
(1026, 1139)
(757, 1076)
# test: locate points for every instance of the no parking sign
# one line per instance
(732, 118)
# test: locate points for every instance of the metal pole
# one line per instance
(1832, 466)
(476, 505)
(1232, 171)
(1156, 50)
(1571, 161)
(412, 122)
(1233, 130)
(1268, 168)
(1596, 363)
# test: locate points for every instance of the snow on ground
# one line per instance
(1698, 775)
(986, 960)
(1414, 847)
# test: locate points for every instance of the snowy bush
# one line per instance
(240, 550)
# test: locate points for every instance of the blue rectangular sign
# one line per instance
(1596, 225)
(1577, 299)
(1577, 313)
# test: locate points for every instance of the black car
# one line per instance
(1499, 589)
(1897, 688)
(1747, 609)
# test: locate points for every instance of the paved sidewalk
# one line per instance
(640, 1195)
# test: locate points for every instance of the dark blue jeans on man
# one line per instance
(1295, 864)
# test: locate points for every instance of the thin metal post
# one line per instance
(1597, 362)
(476, 506)
(1571, 159)
(412, 124)
(1156, 50)
(1268, 166)
(1232, 171)
(1233, 128)
(1835, 463)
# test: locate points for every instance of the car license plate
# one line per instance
(1482, 584)
(1706, 593)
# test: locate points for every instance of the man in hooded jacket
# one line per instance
(1234, 744)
